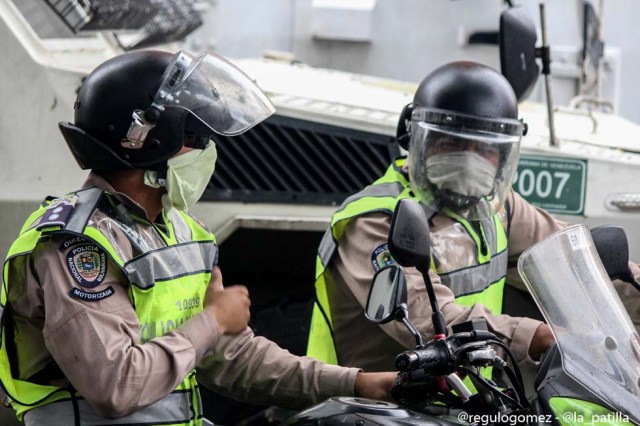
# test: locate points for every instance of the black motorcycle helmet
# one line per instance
(463, 87)
(138, 109)
(462, 103)
(103, 114)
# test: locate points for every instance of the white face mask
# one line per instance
(465, 173)
(188, 175)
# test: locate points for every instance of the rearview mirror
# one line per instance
(409, 245)
(518, 50)
(613, 248)
(592, 48)
(388, 292)
(409, 236)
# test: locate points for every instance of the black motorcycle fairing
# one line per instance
(553, 381)
(340, 411)
(416, 419)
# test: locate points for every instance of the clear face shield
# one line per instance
(463, 163)
(211, 88)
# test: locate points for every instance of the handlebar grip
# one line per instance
(420, 358)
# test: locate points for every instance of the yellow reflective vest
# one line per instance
(157, 278)
(482, 283)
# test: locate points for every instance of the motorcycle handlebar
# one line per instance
(435, 357)
(430, 359)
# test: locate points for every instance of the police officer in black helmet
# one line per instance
(462, 133)
(463, 140)
(112, 298)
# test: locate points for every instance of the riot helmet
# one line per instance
(138, 109)
(464, 140)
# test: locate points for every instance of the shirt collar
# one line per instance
(95, 180)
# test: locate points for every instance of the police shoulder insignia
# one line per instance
(87, 264)
(58, 212)
(381, 257)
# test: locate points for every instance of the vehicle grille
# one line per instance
(287, 160)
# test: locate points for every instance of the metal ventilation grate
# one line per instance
(146, 22)
(288, 160)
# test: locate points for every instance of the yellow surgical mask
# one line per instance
(187, 178)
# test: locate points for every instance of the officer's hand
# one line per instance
(229, 306)
(542, 339)
(375, 385)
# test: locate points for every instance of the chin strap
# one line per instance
(156, 176)
(456, 202)
(161, 173)
(197, 140)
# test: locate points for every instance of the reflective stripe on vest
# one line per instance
(168, 287)
(471, 280)
(169, 410)
(482, 283)
(170, 263)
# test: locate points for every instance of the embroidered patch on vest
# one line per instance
(87, 264)
(92, 297)
(72, 241)
(381, 257)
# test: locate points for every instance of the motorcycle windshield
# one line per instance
(598, 343)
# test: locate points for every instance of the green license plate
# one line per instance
(556, 184)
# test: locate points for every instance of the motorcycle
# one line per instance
(591, 375)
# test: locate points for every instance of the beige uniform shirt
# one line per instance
(361, 343)
(95, 346)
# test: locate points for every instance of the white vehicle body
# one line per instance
(590, 177)
(603, 147)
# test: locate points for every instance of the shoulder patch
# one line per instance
(91, 296)
(72, 241)
(381, 257)
(58, 212)
(87, 264)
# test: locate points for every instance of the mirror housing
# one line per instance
(388, 294)
(518, 51)
(613, 248)
(409, 236)
(592, 48)
(410, 246)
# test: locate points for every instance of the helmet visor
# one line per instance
(468, 171)
(215, 91)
